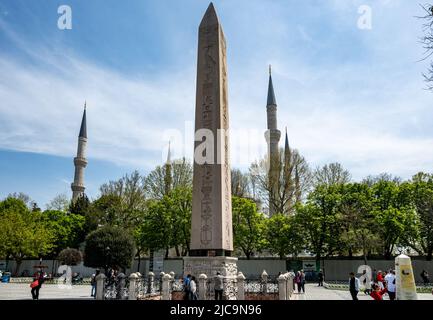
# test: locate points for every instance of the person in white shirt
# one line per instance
(193, 289)
(390, 284)
(354, 286)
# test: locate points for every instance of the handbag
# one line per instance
(34, 284)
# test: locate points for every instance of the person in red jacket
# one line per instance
(377, 293)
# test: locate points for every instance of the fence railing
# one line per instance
(167, 287)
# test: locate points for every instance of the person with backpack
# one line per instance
(186, 287)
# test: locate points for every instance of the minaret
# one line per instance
(272, 136)
(80, 160)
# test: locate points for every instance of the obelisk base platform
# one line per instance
(210, 266)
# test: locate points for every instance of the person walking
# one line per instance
(38, 280)
(380, 279)
(302, 281)
(219, 286)
(320, 276)
(186, 287)
(353, 286)
(390, 284)
(298, 281)
(193, 289)
(425, 277)
(93, 283)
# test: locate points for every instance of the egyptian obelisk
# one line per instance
(211, 234)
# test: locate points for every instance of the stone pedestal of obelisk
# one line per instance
(212, 234)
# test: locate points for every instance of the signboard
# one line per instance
(158, 261)
(309, 265)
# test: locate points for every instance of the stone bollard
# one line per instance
(264, 286)
(289, 285)
(241, 286)
(405, 279)
(100, 286)
(166, 279)
(202, 279)
(282, 287)
(161, 275)
(132, 293)
(172, 274)
(150, 282)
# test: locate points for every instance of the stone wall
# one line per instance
(335, 270)
(338, 270)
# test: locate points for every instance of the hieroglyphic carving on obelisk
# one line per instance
(211, 210)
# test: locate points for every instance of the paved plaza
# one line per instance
(21, 291)
(313, 292)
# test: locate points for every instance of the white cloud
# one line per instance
(369, 114)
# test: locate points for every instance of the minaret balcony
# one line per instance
(80, 162)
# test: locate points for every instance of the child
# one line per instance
(377, 293)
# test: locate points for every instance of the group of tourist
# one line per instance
(299, 281)
(381, 283)
(190, 287)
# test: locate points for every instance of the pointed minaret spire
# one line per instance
(271, 94)
(272, 136)
(80, 160)
(83, 129)
(287, 157)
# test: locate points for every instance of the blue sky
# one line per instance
(345, 94)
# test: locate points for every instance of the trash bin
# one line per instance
(6, 277)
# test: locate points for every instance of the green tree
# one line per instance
(109, 247)
(179, 206)
(358, 220)
(60, 202)
(394, 213)
(22, 232)
(180, 176)
(70, 257)
(155, 232)
(320, 219)
(422, 239)
(67, 229)
(80, 205)
(287, 185)
(284, 235)
(248, 226)
(330, 174)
